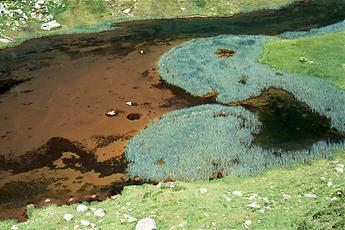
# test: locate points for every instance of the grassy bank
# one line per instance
(301, 197)
(96, 15)
(321, 56)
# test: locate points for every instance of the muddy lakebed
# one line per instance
(56, 141)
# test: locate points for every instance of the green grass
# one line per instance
(80, 15)
(214, 209)
(325, 56)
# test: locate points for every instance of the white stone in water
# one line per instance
(68, 217)
(146, 224)
(82, 208)
(127, 11)
(203, 190)
(50, 25)
(310, 195)
(237, 193)
(84, 222)
(99, 213)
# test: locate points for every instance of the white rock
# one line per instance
(14, 227)
(329, 183)
(50, 25)
(2, 9)
(253, 205)
(129, 218)
(99, 213)
(84, 222)
(36, 16)
(286, 197)
(203, 190)
(228, 199)
(340, 165)
(339, 168)
(82, 208)
(146, 224)
(237, 193)
(68, 217)
(182, 224)
(129, 103)
(18, 11)
(127, 11)
(310, 195)
(247, 223)
(6, 40)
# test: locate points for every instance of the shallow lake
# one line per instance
(56, 141)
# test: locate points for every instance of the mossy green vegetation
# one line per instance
(324, 56)
(87, 15)
(283, 196)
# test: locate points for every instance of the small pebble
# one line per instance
(310, 195)
(247, 223)
(237, 193)
(84, 222)
(203, 190)
(99, 213)
(82, 208)
(68, 217)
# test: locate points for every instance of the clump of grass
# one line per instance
(207, 142)
(213, 74)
